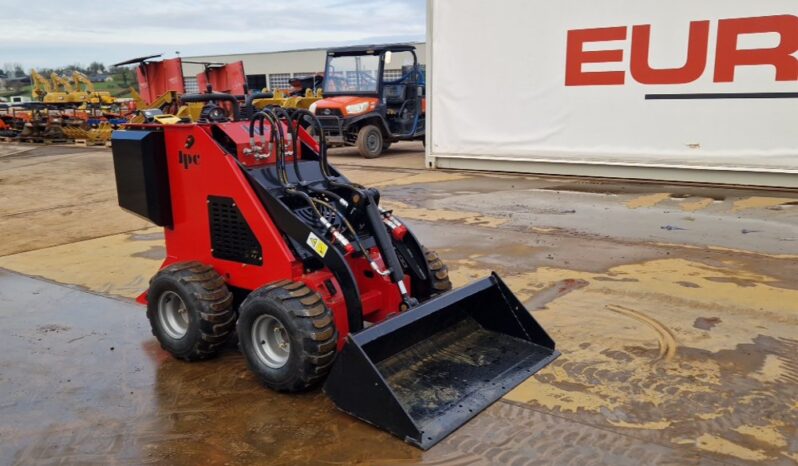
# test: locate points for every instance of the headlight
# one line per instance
(357, 108)
(312, 108)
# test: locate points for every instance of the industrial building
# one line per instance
(273, 70)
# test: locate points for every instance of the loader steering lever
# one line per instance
(296, 118)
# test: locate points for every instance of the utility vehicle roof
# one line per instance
(370, 49)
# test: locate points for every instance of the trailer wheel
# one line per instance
(287, 335)
(439, 272)
(370, 142)
(190, 310)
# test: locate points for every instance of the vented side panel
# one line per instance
(231, 237)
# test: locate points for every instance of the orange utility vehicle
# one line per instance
(360, 108)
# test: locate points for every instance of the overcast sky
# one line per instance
(50, 33)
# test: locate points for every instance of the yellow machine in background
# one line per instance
(161, 103)
(62, 85)
(41, 87)
(43, 91)
(166, 103)
(85, 88)
(280, 99)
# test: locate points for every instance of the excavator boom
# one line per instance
(41, 87)
(81, 80)
(60, 84)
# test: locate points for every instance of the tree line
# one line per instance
(15, 70)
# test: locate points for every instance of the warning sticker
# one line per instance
(317, 245)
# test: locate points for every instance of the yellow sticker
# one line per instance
(317, 245)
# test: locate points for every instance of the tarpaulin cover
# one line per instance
(506, 83)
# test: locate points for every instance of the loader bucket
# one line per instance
(423, 373)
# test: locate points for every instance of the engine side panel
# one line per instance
(200, 170)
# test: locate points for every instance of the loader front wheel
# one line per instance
(190, 310)
(287, 336)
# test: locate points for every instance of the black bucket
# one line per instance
(423, 373)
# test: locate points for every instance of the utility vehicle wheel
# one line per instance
(287, 335)
(370, 142)
(439, 272)
(190, 310)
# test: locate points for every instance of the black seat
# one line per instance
(395, 93)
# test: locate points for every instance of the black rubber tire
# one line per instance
(439, 272)
(309, 325)
(209, 304)
(386, 146)
(367, 150)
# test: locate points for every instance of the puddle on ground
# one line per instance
(654, 369)
(645, 351)
(406, 211)
(154, 252)
(706, 323)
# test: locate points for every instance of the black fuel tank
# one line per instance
(142, 179)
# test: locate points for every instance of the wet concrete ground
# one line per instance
(675, 308)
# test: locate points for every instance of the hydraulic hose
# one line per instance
(279, 111)
(314, 120)
(356, 238)
(296, 118)
(323, 162)
(257, 117)
(279, 136)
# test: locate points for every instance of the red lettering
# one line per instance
(729, 57)
(577, 56)
(698, 45)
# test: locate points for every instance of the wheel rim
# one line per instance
(373, 142)
(271, 342)
(173, 315)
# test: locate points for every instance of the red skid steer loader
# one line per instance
(264, 238)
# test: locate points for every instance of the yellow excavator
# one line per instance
(41, 87)
(85, 89)
(43, 91)
(62, 85)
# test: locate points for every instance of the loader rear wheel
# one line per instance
(438, 271)
(370, 142)
(287, 335)
(190, 310)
